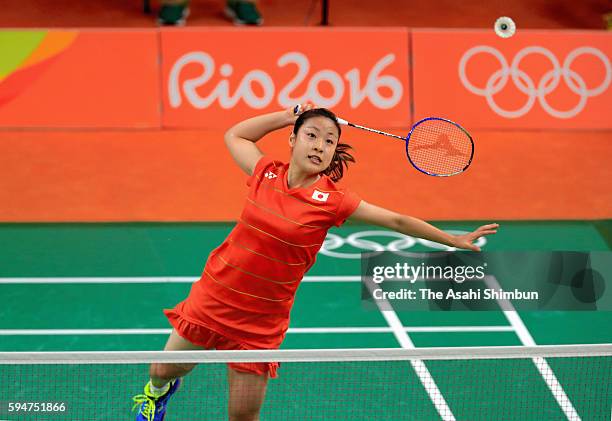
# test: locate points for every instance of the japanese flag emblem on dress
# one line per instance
(320, 196)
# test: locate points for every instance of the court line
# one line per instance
(395, 326)
(526, 339)
(146, 280)
(419, 366)
(390, 316)
(294, 330)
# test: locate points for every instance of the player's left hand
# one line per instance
(466, 241)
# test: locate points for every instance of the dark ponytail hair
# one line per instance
(342, 157)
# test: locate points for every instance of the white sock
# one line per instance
(158, 391)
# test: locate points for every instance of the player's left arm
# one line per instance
(415, 227)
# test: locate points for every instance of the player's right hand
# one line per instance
(298, 109)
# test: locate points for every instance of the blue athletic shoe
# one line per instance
(151, 408)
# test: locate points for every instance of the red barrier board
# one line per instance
(215, 77)
(80, 78)
(534, 80)
(182, 175)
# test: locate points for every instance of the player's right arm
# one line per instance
(241, 139)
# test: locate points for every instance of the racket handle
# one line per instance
(296, 109)
(342, 121)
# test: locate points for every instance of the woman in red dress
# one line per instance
(244, 297)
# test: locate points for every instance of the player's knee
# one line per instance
(246, 409)
(244, 413)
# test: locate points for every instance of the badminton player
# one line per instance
(245, 294)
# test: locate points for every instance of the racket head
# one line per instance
(439, 147)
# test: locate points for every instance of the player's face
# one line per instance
(315, 144)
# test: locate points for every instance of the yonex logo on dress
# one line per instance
(270, 175)
(320, 196)
(546, 85)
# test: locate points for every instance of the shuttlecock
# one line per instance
(504, 27)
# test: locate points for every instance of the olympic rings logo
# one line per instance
(365, 241)
(548, 83)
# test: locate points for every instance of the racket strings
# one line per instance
(439, 147)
